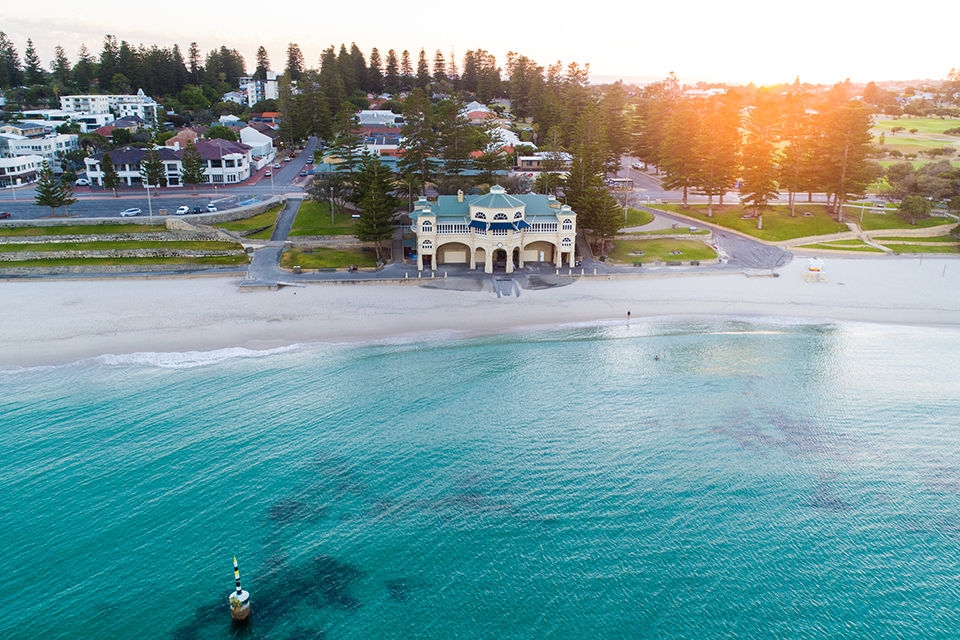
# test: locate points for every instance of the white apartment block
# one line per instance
(118, 105)
(257, 90)
(19, 170)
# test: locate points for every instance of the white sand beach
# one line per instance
(63, 320)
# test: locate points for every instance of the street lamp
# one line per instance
(330, 193)
(149, 204)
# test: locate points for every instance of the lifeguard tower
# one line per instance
(814, 271)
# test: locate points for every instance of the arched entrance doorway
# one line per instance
(499, 259)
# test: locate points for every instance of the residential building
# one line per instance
(27, 139)
(226, 163)
(19, 170)
(119, 105)
(379, 118)
(257, 90)
(494, 231)
(262, 151)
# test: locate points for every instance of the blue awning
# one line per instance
(478, 224)
(522, 224)
(502, 225)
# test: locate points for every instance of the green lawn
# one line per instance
(638, 218)
(929, 135)
(236, 260)
(79, 230)
(778, 224)
(197, 245)
(627, 251)
(909, 239)
(923, 248)
(843, 245)
(261, 224)
(321, 258)
(891, 220)
(865, 248)
(313, 219)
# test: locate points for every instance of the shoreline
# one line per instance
(51, 322)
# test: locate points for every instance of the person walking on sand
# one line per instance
(628, 316)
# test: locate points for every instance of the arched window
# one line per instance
(568, 224)
(481, 215)
(566, 243)
(426, 226)
(518, 215)
(500, 216)
(427, 244)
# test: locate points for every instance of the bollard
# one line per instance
(239, 599)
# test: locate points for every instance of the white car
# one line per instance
(182, 209)
(211, 207)
(126, 213)
(82, 182)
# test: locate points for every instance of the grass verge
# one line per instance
(629, 251)
(321, 258)
(313, 219)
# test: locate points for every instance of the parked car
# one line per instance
(211, 207)
(276, 165)
(182, 209)
(82, 182)
(197, 210)
(287, 159)
(133, 211)
(303, 173)
(4, 215)
(267, 173)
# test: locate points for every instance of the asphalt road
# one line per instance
(94, 202)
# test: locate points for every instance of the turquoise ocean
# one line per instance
(666, 478)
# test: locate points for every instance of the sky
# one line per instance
(735, 42)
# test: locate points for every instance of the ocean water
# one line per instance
(673, 478)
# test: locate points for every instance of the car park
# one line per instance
(182, 210)
(133, 211)
(211, 207)
(82, 182)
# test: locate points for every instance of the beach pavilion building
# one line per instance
(494, 230)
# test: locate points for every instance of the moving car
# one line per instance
(182, 210)
(211, 207)
(82, 182)
(4, 215)
(133, 211)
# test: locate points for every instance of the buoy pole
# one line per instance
(239, 599)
